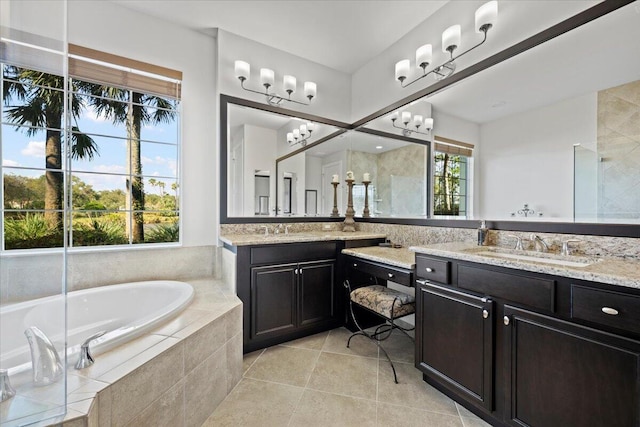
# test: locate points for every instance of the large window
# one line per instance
(450, 178)
(115, 165)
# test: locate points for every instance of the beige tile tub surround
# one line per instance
(176, 375)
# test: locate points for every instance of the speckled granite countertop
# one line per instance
(614, 271)
(398, 257)
(309, 236)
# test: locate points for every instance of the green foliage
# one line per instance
(100, 231)
(31, 231)
(162, 233)
(449, 183)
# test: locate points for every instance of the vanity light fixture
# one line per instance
(301, 135)
(267, 79)
(417, 122)
(485, 18)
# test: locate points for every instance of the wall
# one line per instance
(313, 178)
(334, 87)
(531, 155)
(374, 86)
(401, 170)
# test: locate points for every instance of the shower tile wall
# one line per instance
(619, 151)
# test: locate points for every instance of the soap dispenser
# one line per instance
(482, 233)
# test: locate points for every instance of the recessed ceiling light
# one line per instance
(379, 147)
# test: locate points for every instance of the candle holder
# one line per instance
(349, 223)
(334, 212)
(365, 212)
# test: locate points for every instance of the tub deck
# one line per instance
(176, 374)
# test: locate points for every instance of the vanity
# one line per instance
(530, 343)
(290, 285)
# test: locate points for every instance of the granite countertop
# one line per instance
(398, 257)
(307, 236)
(613, 271)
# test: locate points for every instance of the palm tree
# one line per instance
(41, 99)
(135, 110)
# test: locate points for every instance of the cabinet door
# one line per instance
(273, 300)
(315, 290)
(562, 374)
(455, 341)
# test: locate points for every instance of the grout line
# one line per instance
(253, 363)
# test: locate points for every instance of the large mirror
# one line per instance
(548, 135)
(554, 131)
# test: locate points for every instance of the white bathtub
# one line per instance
(124, 311)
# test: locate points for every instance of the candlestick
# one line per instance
(334, 212)
(349, 224)
(365, 212)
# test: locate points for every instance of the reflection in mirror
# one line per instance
(556, 129)
(256, 139)
(397, 173)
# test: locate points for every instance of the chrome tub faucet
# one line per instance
(47, 367)
(6, 391)
(85, 359)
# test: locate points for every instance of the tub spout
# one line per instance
(6, 391)
(47, 367)
(85, 359)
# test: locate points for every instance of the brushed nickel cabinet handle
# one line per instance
(429, 270)
(390, 275)
(610, 311)
(506, 321)
(485, 314)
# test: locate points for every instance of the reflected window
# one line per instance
(450, 184)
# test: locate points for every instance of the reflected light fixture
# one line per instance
(485, 18)
(301, 135)
(417, 122)
(267, 79)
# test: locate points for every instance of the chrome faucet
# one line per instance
(85, 359)
(286, 229)
(266, 229)
(277, 228)
(518, 245)
(540, 245)
(47, 367)
(6, 391)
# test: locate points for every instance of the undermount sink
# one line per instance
(540, 257)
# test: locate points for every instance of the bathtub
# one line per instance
(125, 311)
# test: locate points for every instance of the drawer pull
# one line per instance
(610, 311)
(355, 265)
(390, 275)
(421, 282)
(485, 314)
(505, 319)
(430, 270)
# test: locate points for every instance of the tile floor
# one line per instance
(318, 381)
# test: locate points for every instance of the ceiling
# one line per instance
(341, 34)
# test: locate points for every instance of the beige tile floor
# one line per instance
(318, 381)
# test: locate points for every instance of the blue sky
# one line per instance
(158, 160)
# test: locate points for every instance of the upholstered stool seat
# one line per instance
(389, 304)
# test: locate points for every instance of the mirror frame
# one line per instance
(599, 229)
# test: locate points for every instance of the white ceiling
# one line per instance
(341, 34)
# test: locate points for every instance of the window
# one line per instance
(116, 161)
(451, 177)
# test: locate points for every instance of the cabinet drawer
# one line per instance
(433, 269)
(528, 290)
(608, 308)
(397, 275)
(292, 252)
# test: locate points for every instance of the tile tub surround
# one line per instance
(610, 270)
(30, 275)
(176, 375)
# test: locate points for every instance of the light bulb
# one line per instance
(402, 69)
(266, 77)
(310, 90)
(242, 69)
(289, 84)
(451, 38)
(424, 55)
(486, 16)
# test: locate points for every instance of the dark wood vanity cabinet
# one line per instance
(527, 349)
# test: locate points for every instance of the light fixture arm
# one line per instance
(302, 141)
(272, 98)
(407, 132)
(448, 65)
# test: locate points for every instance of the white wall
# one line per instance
(111, 28)
(334, 87)
(374, 85)
(313, 177)
(528, 158)
(259, 154)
